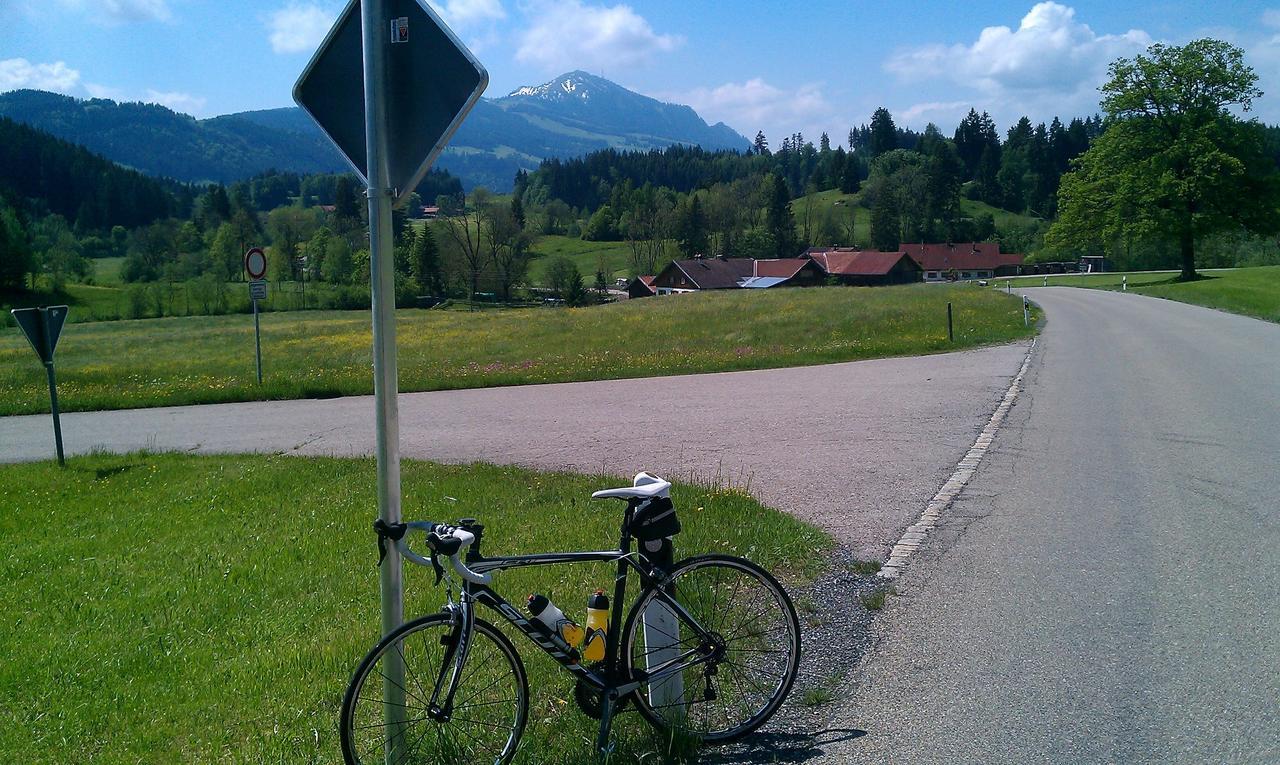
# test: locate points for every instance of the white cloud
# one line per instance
(938, 112)
(102, 12)
(465, 12)
(756, 105)
(299, 27)
(123, 11)
(1051, 61)
(179, 102)
(574, 35)
(97, 90)
(18, 73)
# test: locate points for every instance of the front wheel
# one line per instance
(740, 642)
(489, 711)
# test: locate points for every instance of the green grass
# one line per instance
(193, 360)
(972, 208)
(106, 271)
(585, 255)
(839, 205)
(110, 302)
(1248, 291)
(178, 609)
(875, 600)
(865, 568)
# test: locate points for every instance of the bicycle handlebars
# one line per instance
(443, 539)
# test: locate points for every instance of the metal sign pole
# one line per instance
(257, 340)
(375, 21)
(53, 406)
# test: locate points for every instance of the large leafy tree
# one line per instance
(1174, 162)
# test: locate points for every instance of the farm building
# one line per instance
(865, 268)
(735, 273)
(641, 286)
(963, 261)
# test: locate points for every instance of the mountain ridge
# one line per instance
(500, 136)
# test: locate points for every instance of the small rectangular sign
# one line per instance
(400, 30)
(258, 290)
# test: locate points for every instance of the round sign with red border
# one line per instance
(255, 263)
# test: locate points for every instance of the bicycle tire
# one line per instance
(765, 644)
(463, 739)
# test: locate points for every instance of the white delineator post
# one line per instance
(375, 20)
(662, 644)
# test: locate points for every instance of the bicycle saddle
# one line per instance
(643, 486)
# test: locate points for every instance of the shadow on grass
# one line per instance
(780, 747)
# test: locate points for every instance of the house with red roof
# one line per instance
(961, 261)
(641, 286)
(865, 268)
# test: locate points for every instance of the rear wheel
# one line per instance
(749, 637)
(489, 711)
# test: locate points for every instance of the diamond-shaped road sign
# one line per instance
(42, 326)
(433, 82)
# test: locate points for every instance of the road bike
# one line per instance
(708, 650)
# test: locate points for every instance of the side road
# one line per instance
(857, 448)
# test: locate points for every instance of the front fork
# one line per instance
(457, 644)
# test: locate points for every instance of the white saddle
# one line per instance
(643, 486)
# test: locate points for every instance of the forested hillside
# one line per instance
(79, 185)
(164, 143)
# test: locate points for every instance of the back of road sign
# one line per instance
(42, 331)
(434, 81)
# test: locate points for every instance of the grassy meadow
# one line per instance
(1248, 291)
(209, 359)
(585, 255)
(211, 609)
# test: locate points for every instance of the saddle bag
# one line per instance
(655, 519)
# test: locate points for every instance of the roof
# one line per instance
(715, 273)
(848, 262)
(761, 282)
(642, 281)
(961, 255)
(780, 267)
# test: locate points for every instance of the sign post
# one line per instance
(255, 265)
(389, 85)
(42, 326)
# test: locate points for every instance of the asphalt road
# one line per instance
(858, 448)
(1107, 589)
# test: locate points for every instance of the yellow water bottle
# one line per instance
(597, 626)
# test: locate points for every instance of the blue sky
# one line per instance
(755, 65)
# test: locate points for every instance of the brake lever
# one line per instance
(387, 531)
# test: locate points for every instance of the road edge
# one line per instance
(913, 537)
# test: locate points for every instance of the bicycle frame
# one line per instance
(603, 679)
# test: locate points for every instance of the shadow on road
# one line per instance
(781, 747)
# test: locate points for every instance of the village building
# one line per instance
(865, 268)
(963, 261)
(700, 274)
(641, 286)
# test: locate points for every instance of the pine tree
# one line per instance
(15, 252)
(691, 227)
(761, 144)
(424, 262)
(779, 220)
(885, 223)
(884, 134)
